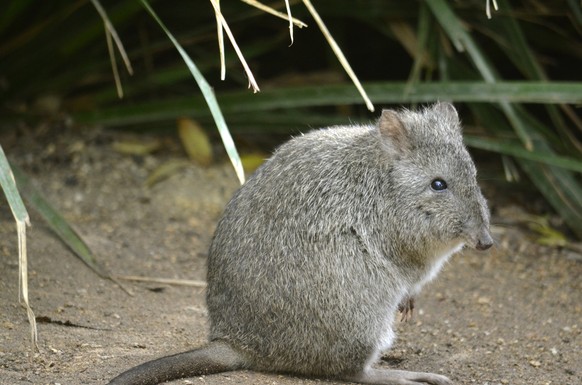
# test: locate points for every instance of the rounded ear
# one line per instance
(446, 110)
(446, 115)
(392, 131)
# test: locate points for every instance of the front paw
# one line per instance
(406, 308)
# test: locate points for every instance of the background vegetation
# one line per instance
(516, 77)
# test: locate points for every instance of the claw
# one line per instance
(406, 308)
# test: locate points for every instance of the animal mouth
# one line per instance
(484, 240)
(483, 246)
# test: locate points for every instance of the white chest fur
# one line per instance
(441, 256)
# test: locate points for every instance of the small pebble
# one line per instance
(535, 363)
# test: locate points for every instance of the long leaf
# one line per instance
(8, 185)
(516, 149)
(311, 96)
(515, 46)
(549, 181)
(558, 185)
(57, 223)
(209, 97)
(464, 41)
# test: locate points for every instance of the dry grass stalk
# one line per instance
(488, 8)
(290, 20)
(281, 15)
(220, 33)
(168, 281)
(111, 34)
(23, 280)
(252, 82)
(339, 54)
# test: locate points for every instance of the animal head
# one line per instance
(433, 177)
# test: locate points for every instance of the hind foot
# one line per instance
(399, 377)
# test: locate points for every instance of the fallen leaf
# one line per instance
(195, 141)
(135, 147)
(165, 170)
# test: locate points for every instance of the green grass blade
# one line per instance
(169, 76)
(463, 41)
(10, 190)
(559, 186)
(550, 182)
(57, 223)
(8, 185)
(515, 149)
(511, 39)
(461, 38)
(422, 56)
(514, 43)
(311, 96)
(209, 97)
(576, 10)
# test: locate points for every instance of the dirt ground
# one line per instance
(512, 315)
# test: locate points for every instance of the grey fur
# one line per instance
(315, 253)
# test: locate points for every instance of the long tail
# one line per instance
(215, 357)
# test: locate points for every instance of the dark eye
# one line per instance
(438, 185)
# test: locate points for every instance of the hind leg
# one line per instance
(398, 377)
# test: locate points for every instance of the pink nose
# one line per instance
(485, 241)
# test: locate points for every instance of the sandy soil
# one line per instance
(509, 316)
